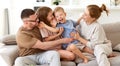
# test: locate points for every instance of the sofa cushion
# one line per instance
(9, 39)
(8, 54)
(115, 61)
(63, 63)
(88, 55)
(113, 32)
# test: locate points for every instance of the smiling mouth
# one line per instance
(60, 20)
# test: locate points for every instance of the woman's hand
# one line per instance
(75, 35)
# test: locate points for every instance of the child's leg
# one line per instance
(76, 51)
(66, 55)
(111, 55)
(86, 49)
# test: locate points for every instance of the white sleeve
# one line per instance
(97, 37)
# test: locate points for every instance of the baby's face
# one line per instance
(60, 16)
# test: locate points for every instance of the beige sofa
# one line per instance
(9, 50)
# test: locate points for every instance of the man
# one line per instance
(32, 50)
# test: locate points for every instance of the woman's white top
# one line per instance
(94, 33)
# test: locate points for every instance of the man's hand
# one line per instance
(67, 40)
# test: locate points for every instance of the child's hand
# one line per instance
(75, 35)
(61, 29)
(67, 40)
(80, 18)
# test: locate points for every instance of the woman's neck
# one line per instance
(91, 21)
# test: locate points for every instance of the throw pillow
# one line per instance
(9, 40)
(117, 47)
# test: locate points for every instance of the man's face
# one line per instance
(31, 22)
(60, 16)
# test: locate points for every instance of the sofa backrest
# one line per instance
(112, 31)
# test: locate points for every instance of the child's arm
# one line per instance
(54, 36)
(78, 21)
(50, 28)
(78, 37)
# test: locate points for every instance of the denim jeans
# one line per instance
(49, 57)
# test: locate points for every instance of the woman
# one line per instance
(93, 35)
(45, 15)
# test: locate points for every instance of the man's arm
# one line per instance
(50, 44)
(81, 17)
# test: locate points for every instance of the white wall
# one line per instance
(114, 16)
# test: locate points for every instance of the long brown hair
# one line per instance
(42, 13)
(95, 11)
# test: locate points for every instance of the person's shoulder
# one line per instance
(20, 33)
(20, 30)
(70, 20)
(98, 25)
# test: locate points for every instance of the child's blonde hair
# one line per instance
(58, 9)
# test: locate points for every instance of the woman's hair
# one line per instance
(42, 13)
(95, 11)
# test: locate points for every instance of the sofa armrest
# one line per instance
(8, 54)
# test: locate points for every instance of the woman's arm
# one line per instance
(78, 37)
(78, 21)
